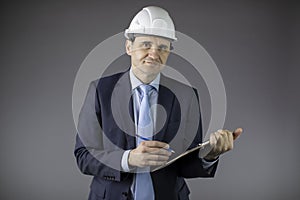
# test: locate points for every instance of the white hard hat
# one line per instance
(152, 20)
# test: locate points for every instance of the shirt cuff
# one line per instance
(124, 161)
(208, 163)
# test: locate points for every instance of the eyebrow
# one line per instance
(149, 42)
(146, 42)
(163, 46)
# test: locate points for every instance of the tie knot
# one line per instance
(145, 89)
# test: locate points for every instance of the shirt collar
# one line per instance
(135, 82)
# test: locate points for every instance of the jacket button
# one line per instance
(125, 194)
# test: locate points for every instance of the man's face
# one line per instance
(148, 54)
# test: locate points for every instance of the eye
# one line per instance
(146, 45)
(163, 48)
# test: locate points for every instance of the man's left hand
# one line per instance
(221, 142)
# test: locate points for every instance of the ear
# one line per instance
(128, 47)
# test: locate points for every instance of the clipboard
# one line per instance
(198, 147)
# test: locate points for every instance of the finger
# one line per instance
(154, 143)
(146, 160)
(160, 151)
(237, 133)
(223, 141)
(154, 163)
(213, 139)
(153, 150)
(151, 157)
(227, 142)
(230, 140)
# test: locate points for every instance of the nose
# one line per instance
(153, 53)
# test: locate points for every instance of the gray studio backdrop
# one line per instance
(254, 44)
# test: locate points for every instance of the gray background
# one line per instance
(254, 44)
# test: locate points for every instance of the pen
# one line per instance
(147, 139)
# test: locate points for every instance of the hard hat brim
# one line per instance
(151, 32)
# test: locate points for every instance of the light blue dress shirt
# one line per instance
(135, 83)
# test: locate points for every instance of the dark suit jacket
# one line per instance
(106, 127)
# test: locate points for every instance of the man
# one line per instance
(135, 121)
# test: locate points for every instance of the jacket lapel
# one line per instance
(122, 101)
(166, 100)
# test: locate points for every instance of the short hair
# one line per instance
(132, 36)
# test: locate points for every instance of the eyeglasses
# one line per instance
(148, 45)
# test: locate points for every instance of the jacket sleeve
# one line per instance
(95, 154)
(191, 166)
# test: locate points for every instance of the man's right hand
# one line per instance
(149, 153)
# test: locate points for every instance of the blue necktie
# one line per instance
(143, 182)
